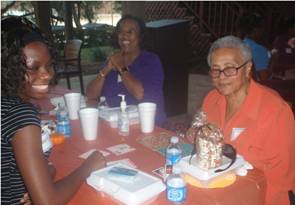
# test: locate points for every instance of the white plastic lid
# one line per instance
(102, 99)
(174, 139)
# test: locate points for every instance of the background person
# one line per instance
(131, 71)
(26, 70)
(251, 28)
(254, 118)
(284, 49)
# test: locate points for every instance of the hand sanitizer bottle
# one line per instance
(123, 121)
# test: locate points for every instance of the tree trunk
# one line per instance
(69, 31)
(43, 12)
(76, 15)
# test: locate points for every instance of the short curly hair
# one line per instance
(140, 23)
(230, 42)
(16, 32)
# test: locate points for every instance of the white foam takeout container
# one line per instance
(111, 115)
(144, 187)
(207, 176)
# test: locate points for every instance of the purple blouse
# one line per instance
(146, 68)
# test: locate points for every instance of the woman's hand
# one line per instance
(95, 161)
(117, 60)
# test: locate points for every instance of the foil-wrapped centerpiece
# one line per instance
(208, 141)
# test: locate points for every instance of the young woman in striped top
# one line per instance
(26, 70)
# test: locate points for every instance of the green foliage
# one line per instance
(25, 8)
(118, 6)
(92, 37)
(99, 36)
(88, 9)
(96, 54)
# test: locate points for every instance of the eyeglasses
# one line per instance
(228, 71)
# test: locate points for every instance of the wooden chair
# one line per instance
(70, 64)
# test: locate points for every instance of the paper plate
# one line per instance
(207, 176)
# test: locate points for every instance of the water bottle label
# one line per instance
(172, 159)
(64, 128)
(62, 116)
(176, 194)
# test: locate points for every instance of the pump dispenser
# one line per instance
(123, 120)
(123, 103)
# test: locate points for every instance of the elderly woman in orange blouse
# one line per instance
(254, 118)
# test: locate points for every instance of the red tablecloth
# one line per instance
(65, 157)
(246, 190)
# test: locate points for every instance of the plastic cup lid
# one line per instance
(102, 98)
(174, 140)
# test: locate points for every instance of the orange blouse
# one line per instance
(263, 131)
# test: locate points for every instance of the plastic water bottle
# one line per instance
(173, 156)
(173, 152)
(102, 105)
(176, 187)
(63, 121)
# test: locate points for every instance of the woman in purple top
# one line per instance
(134, 72)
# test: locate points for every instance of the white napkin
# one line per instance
(47, 127)
(85, 155)
(242, 171)
(57, 100)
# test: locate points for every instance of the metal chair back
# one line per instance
(70, 64)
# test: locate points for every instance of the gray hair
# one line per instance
(230, 42)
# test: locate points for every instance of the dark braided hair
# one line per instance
(16, 33)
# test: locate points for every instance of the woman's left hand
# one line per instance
(117, 60)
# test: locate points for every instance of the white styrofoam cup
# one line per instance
(147, 114)
(89, 122)
(73, 101)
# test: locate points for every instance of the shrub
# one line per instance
(96, 54)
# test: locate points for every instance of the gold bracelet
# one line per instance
(101, 74)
